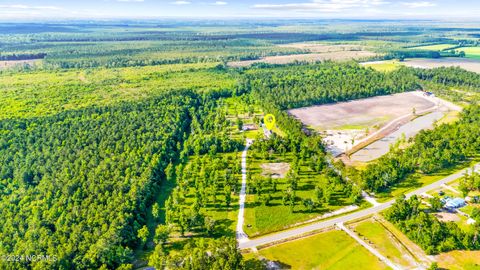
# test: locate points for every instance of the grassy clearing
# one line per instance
(459, 260)
(319, 252)
(471, 52)
(449, 118)
(43, 93)
(262, 219)
(384, 66)
(437, 47)
(418, 180)
(385, 242)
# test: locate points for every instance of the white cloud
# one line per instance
(419, 4)
(25, 7)
(220, 3)
(324, 5)
(181, 2)
(130, 0)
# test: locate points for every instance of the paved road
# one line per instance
(357, 215)
(241, 235)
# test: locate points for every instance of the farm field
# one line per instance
(471, 52)
(312, 57)
(347, 122)
(465, 63)
(437, 47)
(383, 66)
(333, 250)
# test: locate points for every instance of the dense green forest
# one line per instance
(118, 147)
(77, 184)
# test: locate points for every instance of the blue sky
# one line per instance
(355, 9)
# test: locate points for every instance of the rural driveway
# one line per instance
(241, 235)
(297, 232)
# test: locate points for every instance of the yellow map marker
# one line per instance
(269, 121)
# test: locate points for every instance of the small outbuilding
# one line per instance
(454, 203)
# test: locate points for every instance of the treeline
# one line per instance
(76, 185)
(450, 76)
(430, 151)
(296, 86)
(427, 231)
(12, 57)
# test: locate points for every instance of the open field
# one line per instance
(324, 48)
(437, 47)
(346, 123)
(459, 260)
(329, 250)
(312, 57)
(386, 243)
(471, 52)
(10, 64)
(383, 66)
(467, 64)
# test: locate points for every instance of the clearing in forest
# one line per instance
(346, 124)
(313, 53)
(275, 170)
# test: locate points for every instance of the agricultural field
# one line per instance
(18, 63)
(330, 250)
(437, 47)
(471, 52)
(383, 66)
(346, 124)
(312, 57)
(465, 63)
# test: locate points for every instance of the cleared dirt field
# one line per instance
(9, 64)
(276, 170)
(465, 63)
(311, 57)
(361, 113)
(323, 48)
(348, 124)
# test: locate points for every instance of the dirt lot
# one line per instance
(467, 64)
(276, 170)
(348, 124)
(447, 217)
(338, 55)
(9, 64)
(360, 113)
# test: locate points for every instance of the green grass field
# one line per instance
(331, 250)
(437, 47)
(459, 260)
(42, 93)
(384, 66)
(471, 52)
(384, 242)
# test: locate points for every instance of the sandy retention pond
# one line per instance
(465, 63)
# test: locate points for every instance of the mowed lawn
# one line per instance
(329, 250)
